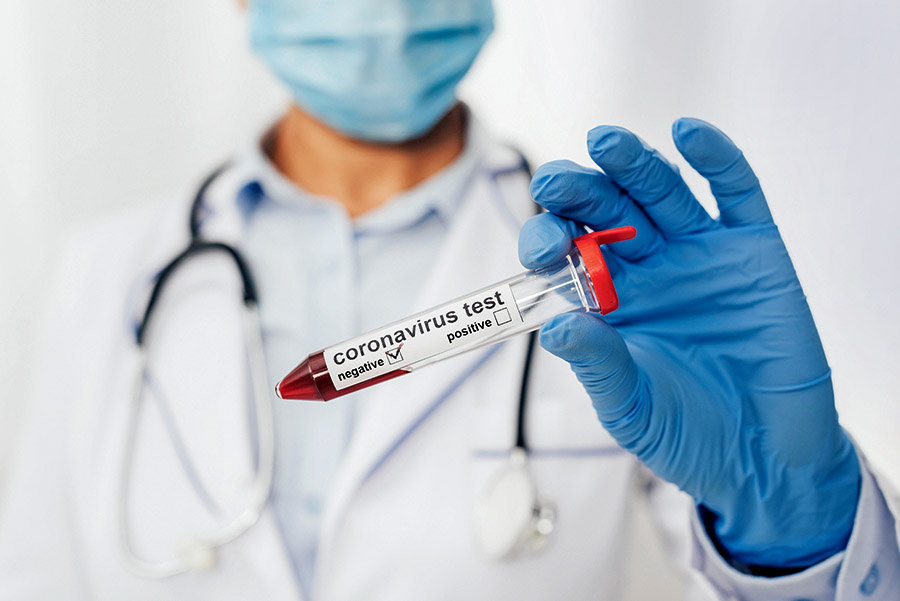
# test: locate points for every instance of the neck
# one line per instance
(359, 175)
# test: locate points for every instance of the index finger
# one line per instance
(587, 196)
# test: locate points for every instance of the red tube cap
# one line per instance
(589, 247)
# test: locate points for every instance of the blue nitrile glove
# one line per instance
(711, 371)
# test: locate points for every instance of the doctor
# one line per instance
(377, 194)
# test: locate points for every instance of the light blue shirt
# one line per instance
(323, 277)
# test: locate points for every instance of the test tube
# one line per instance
(522, 303)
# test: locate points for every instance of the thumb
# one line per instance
(604, 367)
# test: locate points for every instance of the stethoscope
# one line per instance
(510, 515)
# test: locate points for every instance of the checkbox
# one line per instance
(501, 317)
(394, 355)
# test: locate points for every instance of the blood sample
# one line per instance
(522, 303)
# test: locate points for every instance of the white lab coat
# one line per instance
(399, 524)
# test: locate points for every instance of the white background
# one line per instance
(104, 104)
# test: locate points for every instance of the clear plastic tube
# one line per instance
(538, 294)
(522, 303)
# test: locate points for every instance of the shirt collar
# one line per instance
(253, 181)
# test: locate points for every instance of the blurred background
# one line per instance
(106, 104)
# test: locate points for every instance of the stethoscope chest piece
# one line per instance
(510, 517)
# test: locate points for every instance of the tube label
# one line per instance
(459, 324)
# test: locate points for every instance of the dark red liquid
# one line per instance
(310, 381)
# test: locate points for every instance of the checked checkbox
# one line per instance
(501, 317)
(394, 355)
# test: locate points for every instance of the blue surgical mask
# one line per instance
(379, 70)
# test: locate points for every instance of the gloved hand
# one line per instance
(711, 371)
